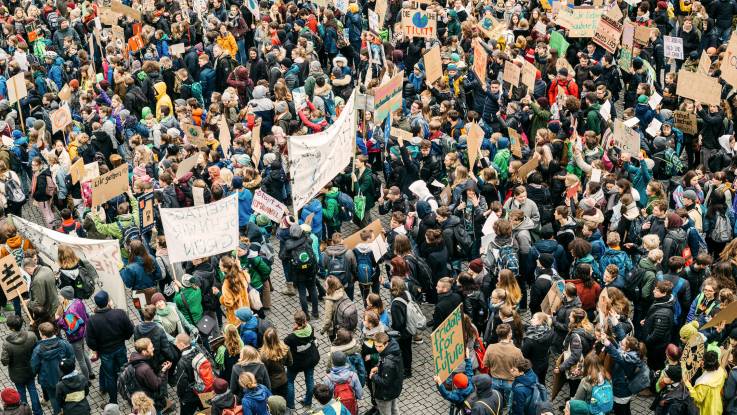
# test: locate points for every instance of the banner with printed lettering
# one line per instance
(316, 159)
(103, 255)
(201, 231)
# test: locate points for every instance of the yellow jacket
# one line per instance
(162, 99)
(707, 393)
(227, 42)
(232, 301)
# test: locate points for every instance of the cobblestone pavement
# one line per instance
(419, 392)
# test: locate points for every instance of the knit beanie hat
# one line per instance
(460, 381)
(578, 407)
(10, 396)
(157, 297)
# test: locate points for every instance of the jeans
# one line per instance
(85, 366)
(724, 34)
(309, 383)
(388, 407)
(46, 211)
(504, 387)
(50, 392)
(302, 288)
(287, 275)
(110, 364)
(242, 56)
(35, 402)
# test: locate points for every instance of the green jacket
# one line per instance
(258, 269)
(648, 280)
(501, 161)
(194, 312)
(540, 120)
(593, 122)
(331, 208)
(112, 229)
(365, 186)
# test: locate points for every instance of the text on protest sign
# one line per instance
(77, 170)
(480, 60)
(729, 63)
(512, 73)
(109, 185)
(201, 231)
(419, 23)
(685, 121)
(11, 278)
(608, 33)
(269, 206)
(673, 47)
(448, 349)
(580, 21)
(627, 139)
(146, 211)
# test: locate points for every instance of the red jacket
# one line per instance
(569, 86)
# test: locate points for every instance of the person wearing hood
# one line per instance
(47, 355)
(675, 237)
(536, 343)
(72, 320)
(17, 350)
(149, 377)
(44, 297)
(692, 204)
(488, 399)
(162, 100)
(659, 323)
(261, 106)
(707, 392)
(305, 357)
(341, 373)
(674, 398)
(250, 327)
(522, 228)
(561, 318)
(72, 390)
(448, 222)
(388, 375)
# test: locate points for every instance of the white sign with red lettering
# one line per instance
(267, 205)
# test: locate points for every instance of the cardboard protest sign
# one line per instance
(11, 278)
(704, 65)
(698, 87)
(224, 135)
(729, 62)
(388, 97)
(66, 93)
(121, 8)
(186, 165)
(512, 73)
(16, 88)
(685, 121)
(109, 185)
(527, 168)
(628, 35)
(642, 34)
(559, 43)
(373, 20)
(627, 139)
(107, 16)
(515, 142)
(91, 171)
(608, 33)
(77, 170)
(480, 61)
(401, 135)
(355, 239)
(433, 64)
(474, 138)
(194, 134)
(198, 195)
(673, 47)
(615, 13)
(146, 211)
(177, 49)
(725, 315)
(256, 143)
(692, 358)
(580, 21)
(529, 72)
(60, 118)
(267, 205)
(201, 231)
(419, 23)
(448, 348)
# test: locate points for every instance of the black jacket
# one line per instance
(659, 322)
(431, 168)
(388, 380)
(108, 329)
(398, 311)
(151, 380)
(447, 302)
(163, 348)
(536, 347)
(184, 377)
(539, 289)
(304, 352)
(71, 392)
(486, 397)
(674, 401)
(436, 257)
(257, 369)
(16, 355)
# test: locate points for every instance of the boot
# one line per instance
(266, 295)
(290, 290)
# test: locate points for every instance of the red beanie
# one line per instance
(460, 381)
(10, 396)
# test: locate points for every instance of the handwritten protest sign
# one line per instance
(373, 20)
(580, 21)
(194, 134)
(401, 135)
(374, 227)
(475, 136)
(693, 357)
(177, 49)
(77, 170)
(627, 139)
(685, 121)
(419, 23)
(109, 185)
(515, 142)
(642, 34)
(65, 94)
(91, 171)
(480, 60)
(187, 165)
(17, 88)
(60, 118)
(224, 135)
(529, 73)
(607, 33)
(198, 195)
(388, 97)
(628, 35)
(512, 73)
(698, 87)
(673, 47)
(201, 231)
(729, 62)
(11, 278)
(269, 206)
(448, 349)
(433, 65)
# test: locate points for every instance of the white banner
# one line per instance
(104, 255)
(201, 231)
(267, 205)
(316, 159)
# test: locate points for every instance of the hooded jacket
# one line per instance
(16, 355)
(458, 396)
(301, 343)
(675, 400)
(489, 399)
(625, 365)
(673, 244)
(522, 390)
(263, 107)
(163, 348)
(136, 277)
(390, 376)
(150, 382)
(522, 237)
(536, 346)
(162, 100)
(255, 400)
(108, 329)
(46, 357)
(225, 400)
(43, 290)
(707, 392)
(344, 374)
(71, 392)
(617, 257)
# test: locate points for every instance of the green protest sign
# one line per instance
(448, 350)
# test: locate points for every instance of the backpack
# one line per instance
(50, 186)
(673, 164)
(343, 393)
(18, 253)
(346, 315)
(415, 319)
(420, 271)
(602, 399)
(128, 234)
(15, 164)
(196, 90)
(640, 378)
(633, 283)
(13, 191)
(337, 268)
(302, 261)
(676, 289)
(376, 190)
(51, 86)
(204, 376)
(462, 240)
(83, 285)
(722, 231)
(503, 258)
(364, 267)
(539, 395)
(127, 382)
(346, 207)
(73, 322)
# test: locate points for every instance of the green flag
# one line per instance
(559, 42)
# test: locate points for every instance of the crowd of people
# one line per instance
(621, 255)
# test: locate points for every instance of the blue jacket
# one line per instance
(255, 401)
(597, 245)
(588, 259)
(354, 26)
(330, 40)
(522, 390)
(55, 72)
(313, 206)
(552, 247)
(343, 374)
(249, 332)
(135, 276)
(457, 396)
(618, 258)
(334, 408)
(46, 357)
(639, 177)
(625, 364)
(245, 198)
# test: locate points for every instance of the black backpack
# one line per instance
(376, 190)
(346, 315)
(420, 271)
(128, 234)
(83, 285)
(127, 382)
(462, 241)
(302, 261)
(336, 267)
(633, 281)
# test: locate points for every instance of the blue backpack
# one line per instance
(539, 395)
(347, 207)
(364, 266)
(602, 399)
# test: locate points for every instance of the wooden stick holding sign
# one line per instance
(12, 282)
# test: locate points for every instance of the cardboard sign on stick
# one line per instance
(475, 136)
(685, 121)
(109, 185)
(729, 63)
(512, 73)
(433, 64)
(480, 60)
(187, 165)
(699, 87)
(11, 278)
(77, 170)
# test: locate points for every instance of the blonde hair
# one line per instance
(650, 242)
(273, 348)
(543, 318)
(249, 354)
(232, 340)
(247, 380)
(655, 255)
(66, 257)
(142, 404)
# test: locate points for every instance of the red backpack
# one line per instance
(344, 394)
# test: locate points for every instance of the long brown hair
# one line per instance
(232, 339)
(233, 274)
(137, 250)
(273, 349)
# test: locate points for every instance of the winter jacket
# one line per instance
(487, 397)
(162, 100)
(232, 301)
(151, 382)
(192, 310)
(255, 401)
(536, 347)
(43, 292)
(314, 208)
(561, 319)
(71, 392)
(624, 366)
(675, 400)
(184, 375)
(344, 374)
(618, 258)
(301, 343)
(135, 277)
(256, 368)
(544, 279)
(16, 355)
(390, 376)
(707, 392)
(522, 391)
(245, 199)
(447, 302)
(659, 323)
(46, 357)
(398, 311)
(277, 369)
(68, 277)
(458, 396)
(163, 348)
(730, 393)
(108, 329)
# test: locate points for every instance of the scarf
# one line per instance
(167, 319)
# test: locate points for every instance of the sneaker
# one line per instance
(305, 404)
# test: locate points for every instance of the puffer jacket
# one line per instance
(536, 347)
(16, 355)
(659, 323)
(390, 376)
(71, 392)
(301, 343)
(163, 348)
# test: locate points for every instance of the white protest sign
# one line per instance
(103, 255)
(198, 195)
(627, 139)
(315, 159)
(654, 128)
(201, 231)
(673, 47)
(654, 100)
(269, 206)
(606, 111)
